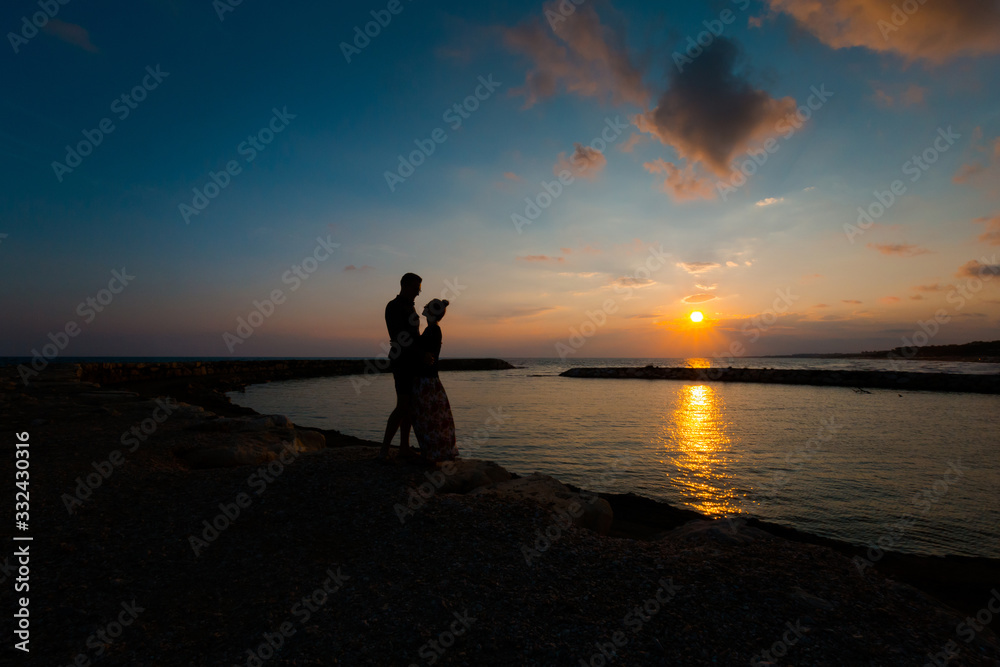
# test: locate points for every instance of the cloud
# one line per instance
(682, 184)
(587, 274)
(586, 162)
(631, 281)
(889, 300)
(992, 233)
(888, 97)
(936, 31)
(853, 302)
(511, 176)
(699, 298)
(541, 258)
(634, 140)
(967, 171)
(695, 268)
(770, 201)
(71, 33)
(936, 287)
(579, 56)
(731, 264)
(975, 269)
(707, 288)
(710, 114)
(519, 313)
(900, 249)
(351, 267)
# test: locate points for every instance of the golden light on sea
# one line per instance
(697, 316)
(697, 433)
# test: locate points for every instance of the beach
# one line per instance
(321, 555)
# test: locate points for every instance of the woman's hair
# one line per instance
(436, 307)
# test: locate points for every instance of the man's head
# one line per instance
(409, 285)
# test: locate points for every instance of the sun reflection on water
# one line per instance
(697, 440)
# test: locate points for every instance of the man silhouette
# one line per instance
(403, 324)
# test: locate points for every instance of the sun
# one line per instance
(697, 316)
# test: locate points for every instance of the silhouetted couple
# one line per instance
(421, 401)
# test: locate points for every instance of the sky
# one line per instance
(219, 179)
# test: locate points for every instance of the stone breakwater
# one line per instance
(898, 381)
(254, 371)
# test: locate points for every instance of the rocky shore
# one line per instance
(253, 371)
(307, 551)
(895, 380)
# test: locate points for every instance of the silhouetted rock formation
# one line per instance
(978, 384)
(255, 371)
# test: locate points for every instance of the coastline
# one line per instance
(80, 410)
(894, 380)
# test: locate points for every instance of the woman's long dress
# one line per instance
(432, 421)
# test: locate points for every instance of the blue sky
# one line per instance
(652, 190)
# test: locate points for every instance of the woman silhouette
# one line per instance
(432, 420)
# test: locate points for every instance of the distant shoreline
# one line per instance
(894, 380)
(835, 355)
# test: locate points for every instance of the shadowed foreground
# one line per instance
(319, 564)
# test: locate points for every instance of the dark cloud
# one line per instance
(710, 113)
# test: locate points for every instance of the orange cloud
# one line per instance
(511, 176)
(936, 31)
(541, 258)
(632, 281)
(699, 298)
(70, 33)
(636, 138)
(992, 233)
(694, 268)
(682, 184)
(889, 300)
(936, 287)
(578, 55)
(912, 96)
(974, 269)
(854, 302)
(586, 163)
(967, 171)
(900, 249)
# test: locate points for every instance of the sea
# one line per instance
(911, 471)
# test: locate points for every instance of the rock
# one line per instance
(588, 511)
(226, 457)
(810, 599)
(470, 474)
(253, 442)
(309, 441)
(245, 424)
(721, 530)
